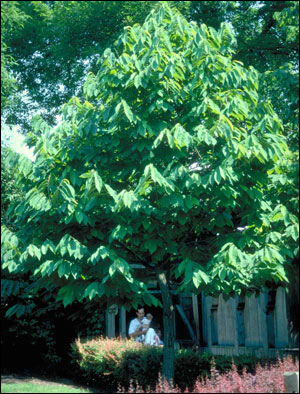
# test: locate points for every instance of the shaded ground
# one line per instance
(15, 378)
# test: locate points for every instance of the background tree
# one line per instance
(171, 152)
(267, 36)
(9, 191)
(60, 40)
(12, 19)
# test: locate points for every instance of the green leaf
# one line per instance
(222, 273)
(159, 139)
(196, 281)
(79, 216)
(128, 112)
(217, 176)
(157, 177)
(34, 251)
(151, 245)
(146, 224)
(182, 219)
(92, 290)
(98, 181)
(295, 232)
(102, 252)
(204, 276)
(182, 137)
(44, 249)
(119, 232)
(17, 310)
(180, 269)
(67, 190)
(129, 198)
(62, 268)
(286, 216)
(233, 254)
(117, 108)
(112, 269)
(214, 107)
(138, 81)
(67, 294)
(111, 192)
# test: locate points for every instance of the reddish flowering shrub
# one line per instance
(97, 360)
(265, 380)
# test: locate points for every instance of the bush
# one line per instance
(266, 380)
(188, 366)
(111, 363)
(107, 362)
(142, 366)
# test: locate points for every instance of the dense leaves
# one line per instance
(170, 162)
(60, 40)
(12, 20)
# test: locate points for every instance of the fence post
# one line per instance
(291, 382)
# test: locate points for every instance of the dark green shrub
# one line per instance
(188, 366)
(141, 366)
(109, 363)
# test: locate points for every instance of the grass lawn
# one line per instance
(41, 388)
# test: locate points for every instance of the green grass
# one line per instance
(41, 388)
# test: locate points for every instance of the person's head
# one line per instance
(140, 313)
(149, 316)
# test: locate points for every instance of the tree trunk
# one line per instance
(169, 332)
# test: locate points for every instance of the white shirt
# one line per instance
(134, 324)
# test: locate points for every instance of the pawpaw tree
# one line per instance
(167, 165)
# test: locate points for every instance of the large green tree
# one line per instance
(168, 163)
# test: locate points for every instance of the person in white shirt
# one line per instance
(136, 329)
(140, 330)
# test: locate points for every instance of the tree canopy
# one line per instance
(57, 41)
(169, 163)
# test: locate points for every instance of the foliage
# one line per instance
(266, 380)
(10, 193)
(267, 37)
(33, 322)
(12, 20)
(113, 363)
(193, 155)
(172, 151)
(59, 40)
(33, 333)
(190, 365)
(102, 361)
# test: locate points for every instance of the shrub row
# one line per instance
(111, 363)
(268, 379)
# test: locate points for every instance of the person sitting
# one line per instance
(136, 329)
(140, 329)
